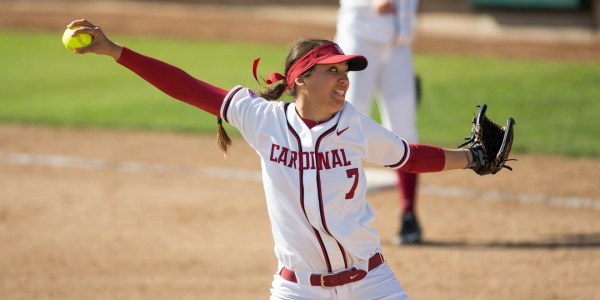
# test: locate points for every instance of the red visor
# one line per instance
(325, 54)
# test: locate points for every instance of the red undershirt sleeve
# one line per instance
(174, 81)
(424, 159)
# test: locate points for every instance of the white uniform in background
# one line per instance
(386, 43)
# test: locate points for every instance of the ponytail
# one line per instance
(274, 92)
(277, 82)
(223, 138)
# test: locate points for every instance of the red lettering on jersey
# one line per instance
(337, 160)
(304, 160)
(346, 162)
(283, 156)
(273, 148)
(293, 160)
(323, 161)
(309, 160)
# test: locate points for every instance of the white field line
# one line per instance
(383, 179)
(378, 179)
(63, 161)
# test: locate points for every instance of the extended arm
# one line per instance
(488, 152)
(424, 159)
(169, 79)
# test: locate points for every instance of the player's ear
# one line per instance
(299, 80)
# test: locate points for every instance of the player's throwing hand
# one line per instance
(100, 43)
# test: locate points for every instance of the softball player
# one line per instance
(382, 31)
(311, 154)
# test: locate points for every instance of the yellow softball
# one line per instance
(78, 41)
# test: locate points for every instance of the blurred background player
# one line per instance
(382, 31)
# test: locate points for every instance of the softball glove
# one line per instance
(489, 143)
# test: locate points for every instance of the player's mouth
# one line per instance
(341, 93)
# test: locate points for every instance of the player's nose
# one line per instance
(344, 79)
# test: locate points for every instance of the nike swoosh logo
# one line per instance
(352, 277)
(339, 132)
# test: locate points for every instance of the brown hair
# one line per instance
(297, 50)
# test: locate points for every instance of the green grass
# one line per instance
(556, 104)
(42, 83)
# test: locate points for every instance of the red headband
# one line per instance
(325, 54)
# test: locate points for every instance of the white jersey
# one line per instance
(357, 18)
(314, 181)
(385, 40)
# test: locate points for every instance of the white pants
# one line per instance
(380, 284)
(390, 76)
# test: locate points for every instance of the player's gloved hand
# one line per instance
(489, 143)
(100, 43)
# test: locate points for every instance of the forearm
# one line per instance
(457, 159)
(426, 159)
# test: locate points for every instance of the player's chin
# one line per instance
(339, 99)
(338, 103)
